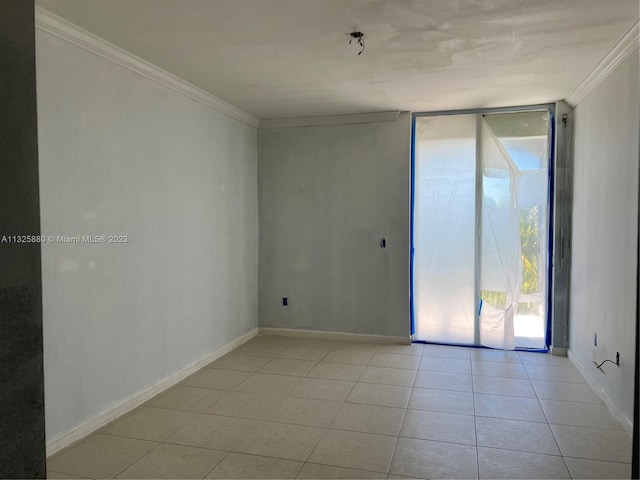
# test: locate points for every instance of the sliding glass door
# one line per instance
(480, 229)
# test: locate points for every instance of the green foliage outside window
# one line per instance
(530, 248)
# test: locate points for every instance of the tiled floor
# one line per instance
(281, 407)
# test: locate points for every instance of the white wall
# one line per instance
(122, 155)
(327, 195)
(605, 210)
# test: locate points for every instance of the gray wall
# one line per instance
(327, 195)
(22, 453)
(122, 155)
(605, 212)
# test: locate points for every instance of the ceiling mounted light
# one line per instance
(359, 38)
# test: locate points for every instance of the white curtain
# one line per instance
(467, 263)
(444, 229)
(500, 255)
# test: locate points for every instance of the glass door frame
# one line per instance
(547, 107)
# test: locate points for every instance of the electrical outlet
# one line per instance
(618, 359)
(285, 301)
(595, 339)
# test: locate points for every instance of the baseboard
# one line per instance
(558, 351)
(349, 337)
(91, 425)
(625, 421)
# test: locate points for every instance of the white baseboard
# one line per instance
(625, 421)
(91, 425)
(349, 337)
(558, 351)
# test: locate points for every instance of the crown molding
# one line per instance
(51, 23)
(329, 120)
(618, 54)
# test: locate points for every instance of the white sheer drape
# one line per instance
(467, 260)
(444, 229)
(500, 256)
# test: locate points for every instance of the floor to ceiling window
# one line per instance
(480, 228)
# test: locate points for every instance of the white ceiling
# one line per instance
(291, 58)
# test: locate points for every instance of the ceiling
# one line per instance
(292, 58)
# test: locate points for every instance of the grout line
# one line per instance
(395, 447)
(596, 460)
(475, 426)
(345, 468)
(216, 465)
(510, 419)
(137, 459)
(324, 434)
(520, 451)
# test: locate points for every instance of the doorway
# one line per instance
(480, 227)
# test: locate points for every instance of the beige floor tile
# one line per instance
(306, 411)
(369, 419)
(441, 427)
(382, 395)
(516, 387)
(188, 399)
(388, 376)
(544, 359)
(269, 384)
(553, 373)
(510, 408)
(429, 459)
(515, 435)
(274, 420)
(445, 351)
(441, 401)
(412, 349)
(212, 431)
(336, 371)
(262, 349)
(445, 365)
(323, 389)
(508, 464)
(354, 357)
(579, 414)
(148, 423)
(498, 369)
(316, 471)
(288, 366)
(174, 461)
(360, 346)
(241, 363)
(256, 406)
(304, 353)
(355, 450)
(399, 477)
(56, 475)
(214, 378)
(570, 392)
(593, 443)
(316, 342)
(443, 381)
(597, 469)
(279, 440)
(270, 340)
(99, 456)
(395, 360)
(242, 466)
(488, 355)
